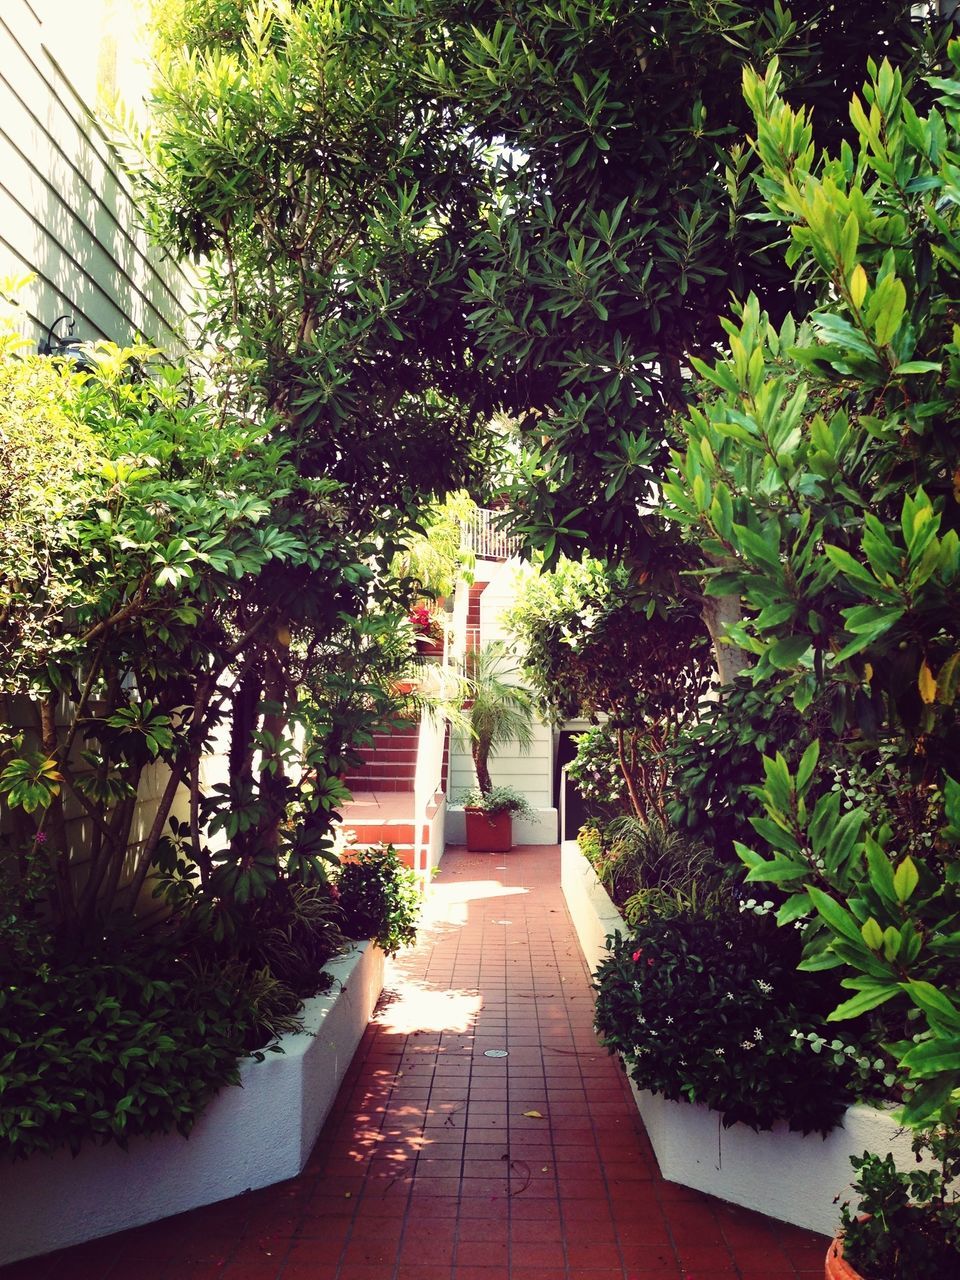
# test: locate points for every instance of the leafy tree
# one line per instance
(619, 220)
(499, 711)
(293, 155)
(595, 643)
(417, 213)
(821, 466)
(193, 553)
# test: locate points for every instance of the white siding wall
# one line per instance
(66, 213)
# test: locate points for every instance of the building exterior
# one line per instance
(67, 217)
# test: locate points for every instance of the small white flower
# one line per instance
(669, 1020)
(747, 1044)
(719, 1052)
(765, 987)
(757, 1033)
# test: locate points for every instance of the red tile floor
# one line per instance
(432, 1166)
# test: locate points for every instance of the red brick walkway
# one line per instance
(432, 1168)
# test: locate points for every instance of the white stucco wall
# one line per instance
(250, 1136)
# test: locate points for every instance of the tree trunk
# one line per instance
(273, 788)
(719, 612)
(480, 756)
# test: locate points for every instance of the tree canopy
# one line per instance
(417, 212)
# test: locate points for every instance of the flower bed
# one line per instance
(248, 1137)
(798, 1179)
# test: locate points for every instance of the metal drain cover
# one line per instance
(495, 1053)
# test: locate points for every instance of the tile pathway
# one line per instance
(432, 1168)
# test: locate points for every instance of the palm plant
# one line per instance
(499, 711)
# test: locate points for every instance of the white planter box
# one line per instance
(591, 907)
(796, 1178)
(248, 1137)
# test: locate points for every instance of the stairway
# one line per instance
(389, 764)
(382, 810)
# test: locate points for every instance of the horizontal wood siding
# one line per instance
(66, 210)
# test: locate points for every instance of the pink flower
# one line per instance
(40, 837)
(637, 954)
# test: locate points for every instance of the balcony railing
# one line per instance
(480, 534)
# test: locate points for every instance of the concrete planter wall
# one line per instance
(796, 1178)
(248, 1137)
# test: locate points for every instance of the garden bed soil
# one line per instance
(795, 1178)
(248, 1137)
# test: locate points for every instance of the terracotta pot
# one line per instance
(429, 647)
(836, 1267)
(489, 833)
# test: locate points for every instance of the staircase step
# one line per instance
(374, 832)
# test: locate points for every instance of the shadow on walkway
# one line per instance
(481, 1134)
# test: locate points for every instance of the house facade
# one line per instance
(67, 216)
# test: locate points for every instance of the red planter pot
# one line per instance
(488, 833)
(836, 1267)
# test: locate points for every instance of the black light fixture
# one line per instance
(66, 347)
(53, 344)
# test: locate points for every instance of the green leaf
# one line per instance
(807, 765)
(905, 880)
(863, 1002)
(787, 652)
(838, 919)
(934, 1003)
(917, 366)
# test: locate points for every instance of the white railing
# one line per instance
(428, 776)
(480, 534)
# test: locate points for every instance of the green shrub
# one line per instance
(650, 868)
(499, 800)
(906, 1224)
(135, 1039)
(292, 934)
(379, 898)
(706, 1010)
(596, 770)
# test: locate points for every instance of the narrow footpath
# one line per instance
(481, 1134)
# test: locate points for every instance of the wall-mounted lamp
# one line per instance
(53, 344)
(67, 347)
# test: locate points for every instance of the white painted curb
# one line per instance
(796, 1178)
(248, 1137)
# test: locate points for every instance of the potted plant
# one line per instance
(907, 1224)
(489, 818)
(496, 712)
(427, 630)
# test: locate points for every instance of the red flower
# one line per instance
(637, 954)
